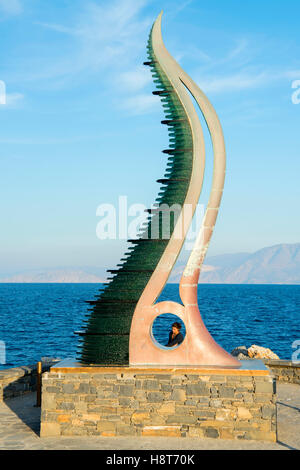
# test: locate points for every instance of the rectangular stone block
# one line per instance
(162, 377)
(191, 402)
(84, 388)
(126, 390)
(150, 385)
(50, 429)
(164, 431)
(197, 390)
(207, 414)
(49, 401)
(155, 397)
(262, 398)
(264, 387)
(218, 379)
(178, 395)
(125, 430)
(215, 403)
(75, 431)
(66, 406)
(181, 419)
(106, 426)
(51, 389)
(226, 392)
(260, 435)
(166, 387)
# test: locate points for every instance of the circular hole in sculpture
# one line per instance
(168, 331)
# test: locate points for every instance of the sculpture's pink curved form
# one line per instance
(198, 347)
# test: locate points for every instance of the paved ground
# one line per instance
(20, 422)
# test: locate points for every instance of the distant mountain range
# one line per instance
(279, 264)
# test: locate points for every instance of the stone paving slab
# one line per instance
(20, 423)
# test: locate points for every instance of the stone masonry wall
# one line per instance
(19, 380)
(284, 371)
(157, 403)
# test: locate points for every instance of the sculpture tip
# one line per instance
(160, 15)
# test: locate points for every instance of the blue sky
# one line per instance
(80, 126)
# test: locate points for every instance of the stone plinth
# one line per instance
(166, 401)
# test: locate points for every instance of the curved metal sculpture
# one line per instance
(122, 316)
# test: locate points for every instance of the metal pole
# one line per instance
(38, 384)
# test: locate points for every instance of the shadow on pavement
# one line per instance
(24, 407)
(288, 406)
(286, 445)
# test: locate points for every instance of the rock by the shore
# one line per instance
(258, 352)
(240, 353)
(254, 352)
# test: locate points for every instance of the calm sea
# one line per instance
(39, 320)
